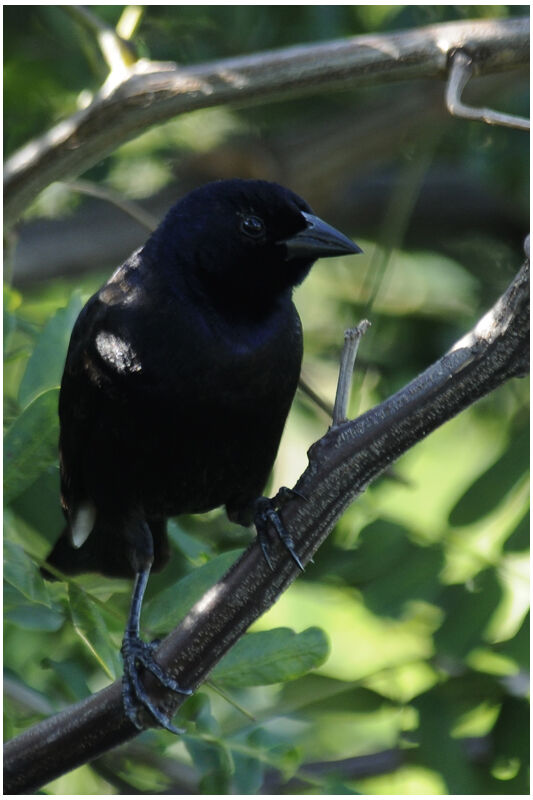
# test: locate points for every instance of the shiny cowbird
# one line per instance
(178, 379)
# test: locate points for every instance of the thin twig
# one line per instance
(319, 401)
(352, 338)
(129, 207)
(461, 70)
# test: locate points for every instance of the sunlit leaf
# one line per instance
(518, 648)
(511, 741)
(519, 539)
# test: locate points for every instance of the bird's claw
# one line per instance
(266, 514)
(137, 653)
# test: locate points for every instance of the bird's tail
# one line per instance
(104, 551)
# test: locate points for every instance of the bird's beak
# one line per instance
(318, 240)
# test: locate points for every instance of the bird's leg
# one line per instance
(137, 653)
(266, 514)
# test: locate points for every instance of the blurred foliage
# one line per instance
(407, 639)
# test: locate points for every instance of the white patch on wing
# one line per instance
(117, 353)
(82, 524)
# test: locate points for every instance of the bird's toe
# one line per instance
(137, 655)
(266, 517)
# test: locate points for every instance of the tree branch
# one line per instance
(341, 465)
(154, 92)
(133, 209)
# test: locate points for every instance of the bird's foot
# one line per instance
(136, 654)
(266, 514)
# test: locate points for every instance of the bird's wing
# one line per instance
(101, 364)
(77, 409)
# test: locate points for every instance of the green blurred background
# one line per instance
(409, 673)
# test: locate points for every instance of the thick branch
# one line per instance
(156, 91)
(341, 465)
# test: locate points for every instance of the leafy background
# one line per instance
(398, 663)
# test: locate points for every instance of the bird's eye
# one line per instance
(252, 226)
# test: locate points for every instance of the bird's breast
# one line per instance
(257, 358)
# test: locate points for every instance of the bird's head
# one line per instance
(245, 241)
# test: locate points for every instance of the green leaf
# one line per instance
(21, 572)
(10, 323)
(486, 493)
(468, 612)
(518, 648)
(197, 710)
(288, 758)
(511, 742)
(39, 507)
(91, 628)
(437, 750)
(249, 773)
(258, 659)
(386, 566)
(276, 749)
(381, 548)
(35, 618)
(72, 676)
(30, 444)
(12, 300)
(29, 615)
(518, 539)
(46, 363)
(416, 579)
(318, 692)
(193, 549)
(163, 612)
(213, 761)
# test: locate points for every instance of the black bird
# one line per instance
(178, 379)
